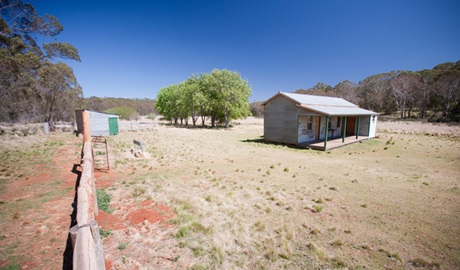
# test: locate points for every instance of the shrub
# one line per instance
(318, 208)
(103, 200)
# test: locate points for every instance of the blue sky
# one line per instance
(134, 48)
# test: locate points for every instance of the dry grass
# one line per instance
(252, 203)
(243, 204)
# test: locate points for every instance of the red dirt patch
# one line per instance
(155, 213)
(108, 264)
(104, 179)
(40, 210)
(140, 215)
(148, 211)
(109, 221)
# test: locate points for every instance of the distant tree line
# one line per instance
(127, 108)
(433, 94)
(220, 95)
(34, 86)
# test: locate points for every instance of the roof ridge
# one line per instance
(327, 105)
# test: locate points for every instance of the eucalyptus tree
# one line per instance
(56, 88)
(403, 89)
(221, 95)
(347, 90)
(167, 102)
(23, 63)
(447, 87)
(374, 93)
(228, 94)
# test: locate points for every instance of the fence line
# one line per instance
(86, 241)
(136, 126)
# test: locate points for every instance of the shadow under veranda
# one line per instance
(261, 141)
(67, 262)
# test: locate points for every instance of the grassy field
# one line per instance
(223, 199)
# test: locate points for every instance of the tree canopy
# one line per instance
(33, 85)
(221, 95)
(427, 91)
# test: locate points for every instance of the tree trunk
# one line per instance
(203, 119)
(213, 120)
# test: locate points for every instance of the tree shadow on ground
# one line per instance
(216, 127)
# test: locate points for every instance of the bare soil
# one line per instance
(223, 199)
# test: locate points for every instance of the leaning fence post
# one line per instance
(139, 144)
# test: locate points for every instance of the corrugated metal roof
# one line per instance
(318, 100)
(326, 105)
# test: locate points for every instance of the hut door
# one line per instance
(318, 128)
(113, 126)
(351, 126)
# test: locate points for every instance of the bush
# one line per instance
(103, 200)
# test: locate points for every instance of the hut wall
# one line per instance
(373, 126)
(281, 121)
(364, 126)
(99, 124)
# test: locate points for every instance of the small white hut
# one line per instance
(316, 121)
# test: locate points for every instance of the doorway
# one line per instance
(351, 122)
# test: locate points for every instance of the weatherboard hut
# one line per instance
(316, 122)
(102, 124)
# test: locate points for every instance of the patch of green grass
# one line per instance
(182, 232)
(122, 246)
(50, 195)
(192, 227)
(11, 267)
(318, 208)
(104, 233)
(103, 200)
(198, 251)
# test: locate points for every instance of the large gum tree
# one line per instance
(34, 86)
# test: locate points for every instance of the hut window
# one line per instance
(339, 119)
(310, 123)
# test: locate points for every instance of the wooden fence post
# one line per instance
(86, 123)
